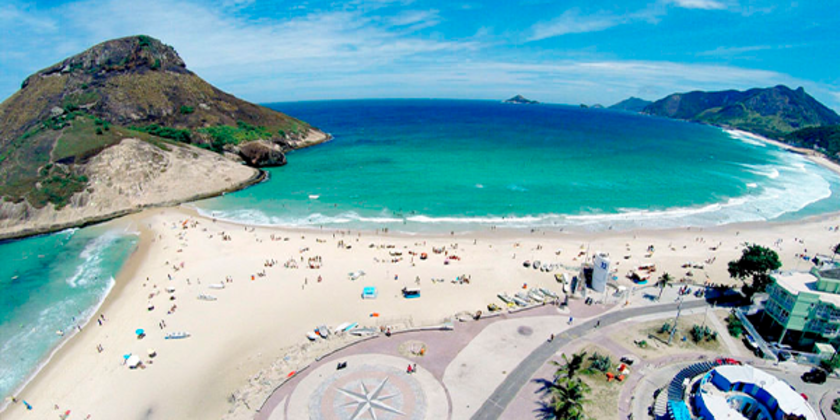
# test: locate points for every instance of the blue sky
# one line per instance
(553, 51)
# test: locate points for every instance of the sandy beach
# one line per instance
(267, 306)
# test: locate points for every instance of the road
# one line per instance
(505, 393)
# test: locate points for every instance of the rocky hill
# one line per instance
(772, 112)
(631, 104)
(56, 129)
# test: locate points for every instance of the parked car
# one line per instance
(815, 376)
(784, 355)
(750, 342)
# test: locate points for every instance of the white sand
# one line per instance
(254, 323)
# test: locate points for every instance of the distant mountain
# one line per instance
(631, 104)
(56, 131)
(771, 112)
(519, 99)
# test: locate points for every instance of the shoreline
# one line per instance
(127, 282)
(120, 280)
(99, 307)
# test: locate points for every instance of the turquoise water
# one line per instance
(436, 165)
(50, 283)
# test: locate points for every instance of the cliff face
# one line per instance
(128, 177)
(772, 112)
(55, 129)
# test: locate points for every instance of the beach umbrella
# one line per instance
(126, 356)
(139, 331)
(133, 361)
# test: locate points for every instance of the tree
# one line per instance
(570, 366)
(567, 399)
(834, 251)
(664, 280)
(756, 262)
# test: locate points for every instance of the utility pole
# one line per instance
(676, 319)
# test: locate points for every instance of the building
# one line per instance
(600, 272)
(805, 306)
(744, 392)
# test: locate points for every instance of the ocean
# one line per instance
(52, 283)
(440, 165)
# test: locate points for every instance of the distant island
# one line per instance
(631, 104)
(125, 125)
(519, 99)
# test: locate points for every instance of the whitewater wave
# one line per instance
(92, 256)
(749, 138)
(783, 188)
(769, 171)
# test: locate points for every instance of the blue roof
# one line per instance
(679, 411)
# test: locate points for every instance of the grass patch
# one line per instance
(183, 136)
(82, 139)
(653, 333)
(603, 396)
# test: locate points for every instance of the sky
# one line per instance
(558, 51)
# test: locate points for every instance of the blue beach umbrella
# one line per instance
(126, 356)
(139, 331)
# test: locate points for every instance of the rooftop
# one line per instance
(799, 281)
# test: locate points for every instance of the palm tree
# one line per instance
(664, 280)
(569, 367)
(834, 251)
(567, 399)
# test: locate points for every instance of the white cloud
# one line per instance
(571, 22)
(700, 4)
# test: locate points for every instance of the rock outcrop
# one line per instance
(262, 153)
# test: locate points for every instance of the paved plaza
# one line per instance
(484, 369)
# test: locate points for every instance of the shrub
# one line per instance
(699, 334)
(835, 406)
(600, 362)
(666, 328)
(98, 131)
(156, 64)
(144, 41)
(186, 110)
(184, 136)
(734, 326)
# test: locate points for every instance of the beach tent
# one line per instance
(369, 293)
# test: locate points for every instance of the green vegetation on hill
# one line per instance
(772, 112)
(45, 176)
(222, 135)
(825, 139)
